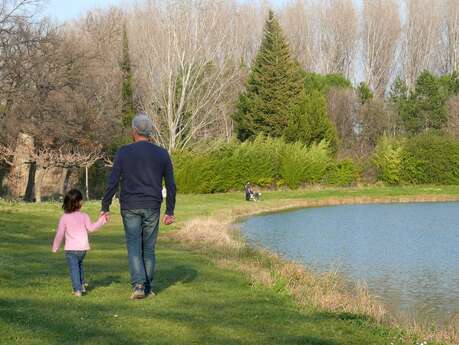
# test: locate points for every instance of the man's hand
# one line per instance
(106, 215)
(168, 220)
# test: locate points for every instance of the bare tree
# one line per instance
(67, 158)
(421, 37)
(297, 19)
(183, 65)
(447, 54)
(380, 34)
(338, 30)
(6, 154)
(342, 109)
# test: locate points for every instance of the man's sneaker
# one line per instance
(84, 286)
(139, 292)
(77, 293)
(149, 293)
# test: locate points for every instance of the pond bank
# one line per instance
(216, 236)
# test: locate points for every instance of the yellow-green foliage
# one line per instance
(342, 173)
(264, 162)
(387, 160)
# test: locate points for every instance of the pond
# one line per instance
(408, 254)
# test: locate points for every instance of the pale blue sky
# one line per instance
(62, 10)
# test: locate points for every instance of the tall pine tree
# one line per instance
(274, 87)
(127, 97)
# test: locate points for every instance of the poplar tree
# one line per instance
(127, 97)
(274, 87)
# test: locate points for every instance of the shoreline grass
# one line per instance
(208, 293)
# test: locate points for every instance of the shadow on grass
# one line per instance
(167, 277)
(104, 282)
(94, 324)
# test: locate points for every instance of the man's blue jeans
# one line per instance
(141, 228)
(75, 261)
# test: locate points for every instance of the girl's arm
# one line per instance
(59, 235)
(91, 227)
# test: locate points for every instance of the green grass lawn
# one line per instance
(197, 301)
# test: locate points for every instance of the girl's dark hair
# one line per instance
(72, 201)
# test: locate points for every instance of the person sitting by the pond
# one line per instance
(74, 226)
(250, 194)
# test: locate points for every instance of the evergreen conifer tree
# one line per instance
(127, 108)
(310, 124)
(274, 87)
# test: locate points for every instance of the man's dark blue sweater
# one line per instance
(140, 168)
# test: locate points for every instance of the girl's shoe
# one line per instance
(77, 293)
(84, 286)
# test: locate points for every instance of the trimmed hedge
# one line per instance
(265, 162)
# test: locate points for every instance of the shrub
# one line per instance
(430, 157)
(264, 162)
(293, 164)
(318, 160)
(195, 173)
(343, 173)
(387, 160)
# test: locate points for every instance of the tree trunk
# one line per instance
(64, 181)
(18, 177)
(87, 181)
(39, 175)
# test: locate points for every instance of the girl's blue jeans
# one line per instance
(75, 261)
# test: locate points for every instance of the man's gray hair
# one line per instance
(142, 124)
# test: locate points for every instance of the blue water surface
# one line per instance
(408, 254)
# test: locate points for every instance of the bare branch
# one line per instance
(6, 154)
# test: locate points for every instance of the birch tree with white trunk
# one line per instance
(338, 36)
(421, 38)
(448, 54)
(380, 35)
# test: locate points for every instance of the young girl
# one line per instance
(74, 227)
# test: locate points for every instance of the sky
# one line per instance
(63, 10)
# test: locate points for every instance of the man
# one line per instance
(141, 168)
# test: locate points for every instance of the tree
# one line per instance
(342, 106)
(310, 124)
(297, 19)
(338, 28)
(274, 87)
(374, 122)
(127, 96)
(425, 107)
(448, 52)
(380, 34)
(421, 36)
(324, 83)
(183, 65)
(364, 93)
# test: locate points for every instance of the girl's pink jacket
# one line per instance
(74, 227)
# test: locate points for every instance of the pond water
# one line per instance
(408, 254)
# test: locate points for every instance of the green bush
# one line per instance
(264, 162)
(317, 162)
(430, 157)
(342, 173)
(195, 173)
(387, 160)
(293, 164)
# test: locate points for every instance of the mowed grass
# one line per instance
(197, 301)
